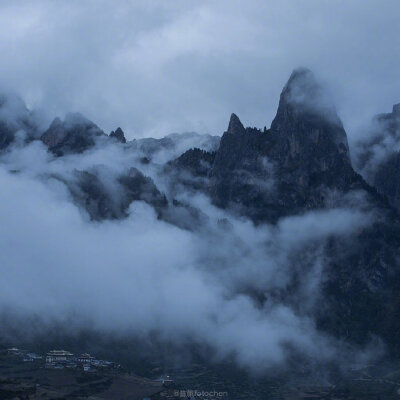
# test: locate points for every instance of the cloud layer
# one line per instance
(141, 275)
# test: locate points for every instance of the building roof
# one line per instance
(59, 353)
(85, 355)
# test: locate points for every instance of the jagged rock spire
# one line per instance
(305, 106)
(119, 135)
(302, 95)
(396, 109)
(74, 134)
(235, 126)
(14, 116)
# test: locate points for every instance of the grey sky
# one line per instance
(158, 67)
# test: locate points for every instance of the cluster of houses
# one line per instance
(26, 355)
(60, 359)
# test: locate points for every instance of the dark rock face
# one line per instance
(196, 161)
(379, 156)
(111, 200)
(172, 146)
(387, 178)
(292, 166)
(14, 117)
(139, 187)
(296, 166)
(241, 176)
(104, 202)
(390, 121)
(118, 135)
(383, 140)
(191, 170)
(92, 195)
(73, 135)
(235, 126)
(361, 286)
(6, 135)
(306, 121)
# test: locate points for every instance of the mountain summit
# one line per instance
(291, 167)
(119, 135)
(235, 126)
(74, 134)
(306, 109)
(301, 164)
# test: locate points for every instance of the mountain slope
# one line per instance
(378, 157)
(74, 134)
(302, 163)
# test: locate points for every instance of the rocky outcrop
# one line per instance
(6, 135)
(111, 200)
(378, 156)
(302, 163)
(291, 167)
(307, 131)
(386, 179)
(118, 135)
(14, 117)
(196, 162)
(139, 187)
(191, 170)
(390, 122)
(172, 146)
(75, 134)
(294, 166)
(90, 193)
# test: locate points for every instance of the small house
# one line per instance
(14, 351)
(33, 356)
(85, 359)
(58, 356)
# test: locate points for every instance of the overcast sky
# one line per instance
(156, 67)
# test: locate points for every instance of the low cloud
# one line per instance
(140, 275)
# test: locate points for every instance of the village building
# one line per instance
(86, 359)
(71, 365)
(58, 357)
(167, 381)
(14, 351)
(33, 356)
(86, 368)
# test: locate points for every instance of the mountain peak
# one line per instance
(118, 134)
(304, 96)
(235, 126)
(306, 112)
(301, 87)
(301, 73)
(74, 134)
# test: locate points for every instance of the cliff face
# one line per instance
(386, 179)
(379, 156)
(307, 134)
(14, 117)
(118, 135)
(73, 135)
(291, 167)
(302, 163)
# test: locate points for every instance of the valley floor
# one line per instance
(26, 381)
